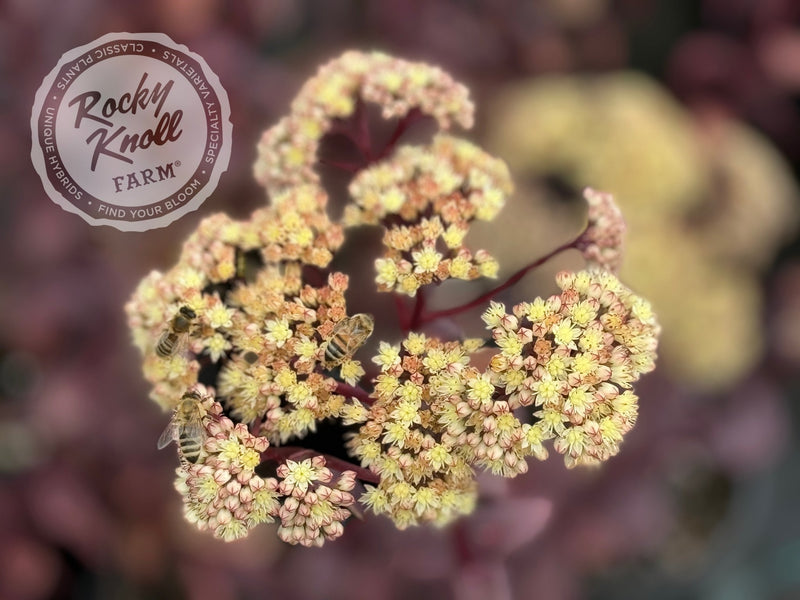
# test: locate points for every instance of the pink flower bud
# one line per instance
(256, 483)
(338, 281)
(463, 409)
(285, 535)
(334, 530)
(221, 518)
(509, 322)
(246, 495)
(347, 481)
(241, 513)
(513, 461)
(222, 476)
(494, 452)
(341, 498)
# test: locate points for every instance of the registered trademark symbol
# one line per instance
(177, 163)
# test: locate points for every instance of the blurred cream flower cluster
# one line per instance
(708, 202)
(251, 326)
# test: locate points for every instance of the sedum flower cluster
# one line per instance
(287, 152)
(707, 198)
(563, 373)
(574, 357)
(452, 180)
(423, 476)
(223, 493)
(252, 325)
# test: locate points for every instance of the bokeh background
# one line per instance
(687, 110)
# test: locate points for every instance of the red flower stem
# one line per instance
(407, 121)
(362, 137)
(419, 307)
(356, 129)
(351, 391)
(438, 314)
(402, 313)
(255, 426)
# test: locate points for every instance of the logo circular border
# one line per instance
(49, 95)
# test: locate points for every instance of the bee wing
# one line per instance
(182, 344)
(168, 435)
(363, 327)
(194, 428)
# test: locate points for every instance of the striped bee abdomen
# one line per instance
(190, 447)
(166, 344)
(334, 352)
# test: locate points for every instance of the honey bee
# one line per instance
(176, 333)
(186, 427)
(348, 335)
(247, 264)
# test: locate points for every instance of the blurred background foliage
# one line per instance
(687, 110)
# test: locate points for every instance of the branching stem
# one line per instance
(407, 121)
(402, 313)
(362, 138)
(352, 391)
(483, 298)
(419, 308)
